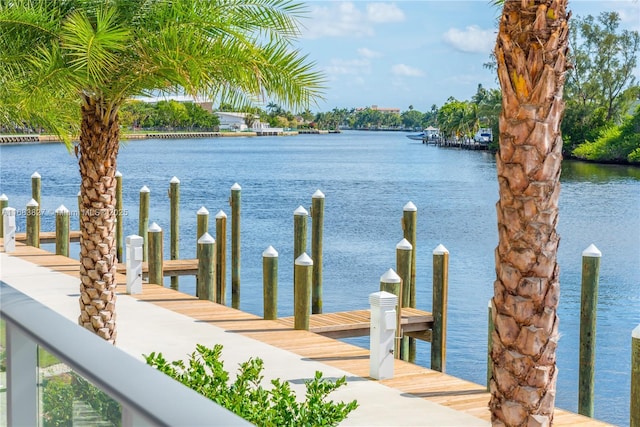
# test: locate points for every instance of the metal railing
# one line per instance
(148, 397)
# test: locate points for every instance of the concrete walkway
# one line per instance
(144, 328)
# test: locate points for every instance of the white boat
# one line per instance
(417, 137)
(428, 134)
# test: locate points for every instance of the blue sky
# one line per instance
(401, 53)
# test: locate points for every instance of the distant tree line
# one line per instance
(167, 115)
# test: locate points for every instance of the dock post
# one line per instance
(235, 202)
(300, 217)
(154, 239)
(270, 283)
(9, 229)
(489, 343)
(302, 292)
(33, 231)
(635, 378)
(221, 258)
(317, 230)
(403, 267)
(143, 219)
(134, 264)
(80, 210)
(409, 228)
(174, 201)
(4, 203)
(207, 268)
(440, 295)
(119, 218)
(383, 331)
(392, 283)
(588, 309)
(62, 231)
(202, 226)
(36, 187)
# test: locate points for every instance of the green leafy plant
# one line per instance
(277, 406)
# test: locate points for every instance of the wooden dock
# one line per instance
(49, 236)
(414, 380)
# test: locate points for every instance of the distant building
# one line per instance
(381, 109)
(232, 120)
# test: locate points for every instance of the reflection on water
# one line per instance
(573, 170)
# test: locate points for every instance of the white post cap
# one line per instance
(202, 211)
(592, 252)
(32, 203)
(154, 228)
(636, 333)
(270, 252)
(304, 260)
(390, 277)
(145, 189)
(318, 195)
(300, 211)
(79, 193)
(236, 187)
(410, 207)
(3, 197)
(440, 250)
(36, 175)
(206, 239)
(221, 214)
(383, 299)
(62, 210)
(174, 180)
(404, 245)
(134, 240)
(118, 174)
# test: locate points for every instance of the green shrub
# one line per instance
(245, 396)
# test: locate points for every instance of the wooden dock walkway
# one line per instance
(414, 380)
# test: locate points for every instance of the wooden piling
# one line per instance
(403, 267)
(300, 219)
(221, 258)
(207, 268)
(36, 190)
(317, 231)
(270, 283)
(155, 238)
(202, 226)
(635, 378)
(4, 203)
(489, 343)
(409, 228)
(235, 202)
(174, 201)
(439, 310)
(62, 231)
(588, 309)
(80, 210)
(302, 294)
(391, 282)
(33, 231)
(119, 218)
(143, 219)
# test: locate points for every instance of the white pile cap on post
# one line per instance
(118, 174)
(304, 260)
(636, 332)
(318, 195)
(404, 245)
(440, 250)
(32, 203)
(206, 239)
(390, 277)
(221, 214)
(592, 252)
(36, 175)
(410, 207)
(145, 189)
(62, 209)
(174, 180)
(154, 228)
(270, 252)
(202, 211)
(236, 187)
(300, 211)
(3, 197)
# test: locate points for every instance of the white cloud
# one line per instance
(356, 66)
(384, 12)
(368, 53)
(472, 39)
(406, 71)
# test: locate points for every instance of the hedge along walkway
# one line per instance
(414, 380)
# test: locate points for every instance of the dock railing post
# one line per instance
(440, 296)
(588, 309)
(392, 283)
(155, 237)
(235, 202)
(221, 258)
(134, 264)
(174, 202)
(302, 292)
(62, 231)
(410, 229)
(9, 229)
(317, 230)
(4, 203)
(119, 218)
(202, 226)
(143, 219)
(270, 283)
(403, 267)
(207, 268)
(300, 217)
(33, 231)
(383, 331)
(635, 378)
(36, 191)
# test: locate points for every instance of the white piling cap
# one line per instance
(304, 260)
(318, 195)
(79, 193)
(32, 202)
(145, 189)
(592, 252)
(118, 174)
(154, 228)
(36, 175)
(202, 211)
(221, 214)
(134, 239)
(410, 207)
(206, 239)
(300, 211)
(404, 245)
(636, 332)
(383, 299)
(62, 209)
(236, 187)
(270, 252)
(4, 197)
(390, 277)
(440, 250)
(174, 180)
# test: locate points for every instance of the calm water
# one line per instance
(367, 179)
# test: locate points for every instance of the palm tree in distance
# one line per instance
(70, 62)
(531, 51)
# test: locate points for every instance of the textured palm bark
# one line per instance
(98, 149)
(531, 53)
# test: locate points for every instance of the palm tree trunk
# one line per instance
(531, 53)
(99, 141)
